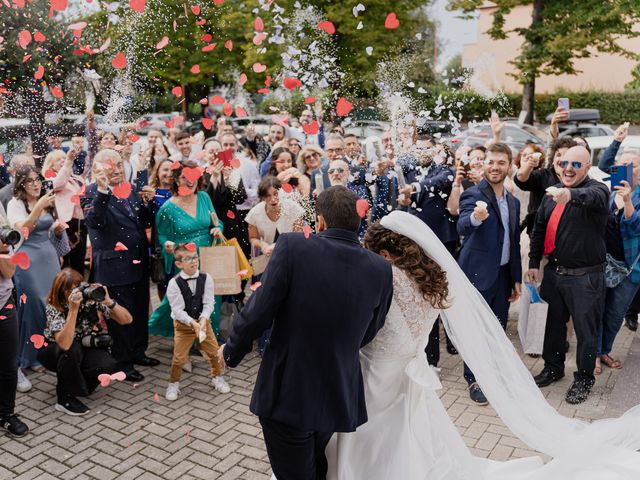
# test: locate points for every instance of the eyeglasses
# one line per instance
(32, 181)
(192, 258)
(334, 170)
(334, 150)
(565, 163)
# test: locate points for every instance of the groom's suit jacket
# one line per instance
(324, 298)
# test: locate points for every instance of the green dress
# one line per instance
(176, 225)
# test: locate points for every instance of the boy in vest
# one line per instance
(191, 297)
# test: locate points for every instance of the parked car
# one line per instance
(513, 134)
(582, 122)
(436, 128)
(599, 144)
(366, 128)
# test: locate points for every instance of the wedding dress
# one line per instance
(409, 434)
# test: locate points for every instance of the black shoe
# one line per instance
(546, 378)
(578, 392)
(13, 425)
(147, 362)
(72, 406)
(451, 350)
(475, 394)
(134, 376)
(631, 323)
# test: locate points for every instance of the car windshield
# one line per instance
(537, 132)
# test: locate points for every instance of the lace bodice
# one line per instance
(408, 322)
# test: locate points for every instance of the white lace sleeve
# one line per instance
(417, 312)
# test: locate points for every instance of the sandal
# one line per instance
(598, 369)
(611, 362)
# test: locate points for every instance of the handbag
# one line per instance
(60, 243)
(156, 266)
(616, 271)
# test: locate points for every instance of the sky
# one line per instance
(452, 32)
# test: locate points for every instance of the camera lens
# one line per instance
(9, 236)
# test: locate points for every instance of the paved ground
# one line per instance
(132, 434)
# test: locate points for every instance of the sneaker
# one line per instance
(24, 385)
(578, 392)
(187, 367)
(72, 406)
(173, 390)
(13, 425)
(221, 385)
(475, 394)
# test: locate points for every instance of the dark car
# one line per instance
(513, 134)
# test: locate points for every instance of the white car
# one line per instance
(599, 144)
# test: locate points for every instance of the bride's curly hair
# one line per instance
(408, 256)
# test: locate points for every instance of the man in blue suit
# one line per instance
(309, 384)
(120, 256)
(490, 252)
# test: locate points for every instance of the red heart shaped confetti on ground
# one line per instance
(119, 61)
(21, 259)
(120, 376)
(362, 207)
(327, 26)
(37, 340)
(104, 379)
(122, 191)
(137, 5)
(120, 247)
(311, 128)
(343, 107)
(192, 174)
(306, 230)
(231, 215)
(156, 398)
(191, 246)
(391, 21)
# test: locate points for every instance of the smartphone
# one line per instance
(401, 180)
(564, 103)
(620, 173)
(47, 186)
(319, 182)
(225, 156)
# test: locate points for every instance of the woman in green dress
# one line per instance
(187, 217)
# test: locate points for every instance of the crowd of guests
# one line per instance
(142, 209)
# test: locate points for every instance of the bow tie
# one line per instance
(191, 278)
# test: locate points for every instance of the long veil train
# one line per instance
(603, 449)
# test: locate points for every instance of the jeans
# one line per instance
(8, 359)
(617, 302)
(77, 368)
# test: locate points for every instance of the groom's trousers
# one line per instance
(295, 454)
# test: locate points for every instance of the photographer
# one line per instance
(79, 344)
(8, 343)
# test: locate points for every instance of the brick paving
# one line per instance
(206, 435)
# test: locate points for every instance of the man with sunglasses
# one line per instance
(340, 174)
(569, 229)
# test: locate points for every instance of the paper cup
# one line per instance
(481, 204)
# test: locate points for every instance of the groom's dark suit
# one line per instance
(324, 297)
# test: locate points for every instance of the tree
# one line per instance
(559, 33)
(36, 57)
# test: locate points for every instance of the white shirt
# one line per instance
(290, 211)
(176, 300)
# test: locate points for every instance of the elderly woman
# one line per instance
(310, 158)
(187, 217)
(31, 211)
(58, 166)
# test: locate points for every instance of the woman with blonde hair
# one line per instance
(309, 159)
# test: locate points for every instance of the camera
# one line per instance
(97, 340)
(97, 293)
(9, 236)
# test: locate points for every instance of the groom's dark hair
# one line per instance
(337, 205)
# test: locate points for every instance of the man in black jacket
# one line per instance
(324, 297)
(569, 229)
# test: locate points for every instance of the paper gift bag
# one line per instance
(243, 263)
(532, 320)
(221, 262)
(259, 264)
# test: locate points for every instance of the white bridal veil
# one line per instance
(605, 449)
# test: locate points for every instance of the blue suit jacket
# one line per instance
(430, 206)
(481, 251)
(310, 376)
(109, 221)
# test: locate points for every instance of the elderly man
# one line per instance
(17, 161)
(117, 218)
(569, 229)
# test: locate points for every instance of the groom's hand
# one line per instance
(221, 361)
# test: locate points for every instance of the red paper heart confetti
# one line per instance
(175, 165)
(255, 286)
(21, 259)
(311, 128)
(258, 24)
(164, 41)
(362, 207)
(259, 38)
(227, 109)
(192, 174)
(228, 45)
(119, 61)
(156, 397)
(184, 191)
(58, 5)
(136, 262)
(56, 92)
(241, 112)
(25, 233)
(120, 247)
(122, 191)
(191, 246)
(306, 230)
(217, 100)
(195, 69)
(291, 83)
(37, 340)
(309, 100)
(195, 9)
(23, 299)
(207, 123)
(24, 38)
(391, 22)
(243, 79)
(104, 379)
(50, 173)
(39, 72)
(242, 273)
(208, 48)
(39, 37)
(343, 107)
(234, 163)
(287, 188)
(177, 91)
(231, 215)
(133, 137)
(259, 67)
(327, 27)
(137, 5)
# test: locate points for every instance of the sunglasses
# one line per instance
(336, 170)
(565, 163)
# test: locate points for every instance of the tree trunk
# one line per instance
(529, 88)
(529, 100)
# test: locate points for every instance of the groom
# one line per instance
(324, 297)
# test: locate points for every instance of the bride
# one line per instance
(409, 434)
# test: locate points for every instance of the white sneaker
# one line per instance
(173, 390)
(187, 367)
(24, 385)
(220, 384)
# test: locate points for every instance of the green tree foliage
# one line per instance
(559, 33)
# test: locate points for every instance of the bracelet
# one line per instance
(455, 185)
(113, 304)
